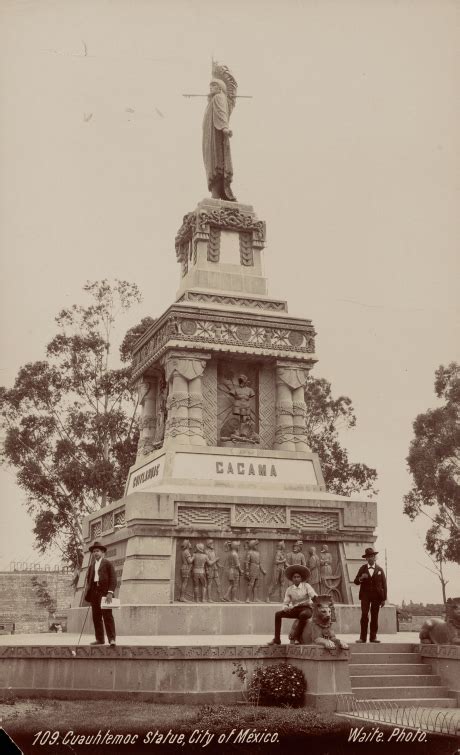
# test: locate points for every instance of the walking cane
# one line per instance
(74, 652)
(87, 612)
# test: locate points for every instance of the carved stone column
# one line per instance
(195, 411)
(284, 433)
(300, 432)
(147, 391)
(185, 400)
(177, 405)
(290, 407)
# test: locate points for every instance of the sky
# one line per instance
(348, 149)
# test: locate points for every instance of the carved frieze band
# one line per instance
(96, 529)
(236, 301)
(203, 516)
(314, 520)
(234, 332)
(260, 516)
(312, 652)
(107, 522)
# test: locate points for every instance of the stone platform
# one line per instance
(164, 674)
(199, 669)
(218, 619)
(72, 639)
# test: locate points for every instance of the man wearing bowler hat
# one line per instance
(101, 583)
(297, 603)
(372, 594)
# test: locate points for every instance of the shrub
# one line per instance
(278, 684)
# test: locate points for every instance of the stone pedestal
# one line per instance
(224, 467)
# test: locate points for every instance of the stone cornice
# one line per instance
(238, 333)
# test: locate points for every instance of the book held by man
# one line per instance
(115, 603)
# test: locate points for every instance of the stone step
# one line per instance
(383, 647)
(380, 669)
(401, 693)
(409, 680)
(378, 658)
(412, 702)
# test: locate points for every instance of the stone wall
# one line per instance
(20, 602)
(167, 675)
(444, 661)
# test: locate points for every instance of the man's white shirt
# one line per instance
(298, 594)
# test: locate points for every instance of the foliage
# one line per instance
(44, 598)
(133, 335)
(250, 696)
(325, 416)
(434, 463)
(277, 684)
(69, 420)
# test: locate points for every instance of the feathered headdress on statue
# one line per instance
(222, 72)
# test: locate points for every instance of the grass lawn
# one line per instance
(142, 727)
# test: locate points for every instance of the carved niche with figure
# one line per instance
(237, 405)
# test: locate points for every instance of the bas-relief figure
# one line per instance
(186, 568)
(234, 572)
(239, 424)
(152, 399)
(439, 632)
(212, 571)
(325, 562)
(161, 413)
(253, 570)
(216, 133)
(201, 562)
(279, 566)
(314, 566)
(296, 557)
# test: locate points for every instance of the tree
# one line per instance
(438, 571)
(434, 463)
(69, 420)
(326, 416)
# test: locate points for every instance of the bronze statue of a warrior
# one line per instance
(216, 133)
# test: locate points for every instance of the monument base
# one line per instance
(217, 618)
(168, 675)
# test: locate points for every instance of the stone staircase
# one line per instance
(393, 673)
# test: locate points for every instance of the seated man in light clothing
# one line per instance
(297, 603)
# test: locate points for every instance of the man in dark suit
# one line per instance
(101, 583)
(372, 594)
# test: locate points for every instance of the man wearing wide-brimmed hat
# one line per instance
(297, 603)
(101, 583)
(372, 594)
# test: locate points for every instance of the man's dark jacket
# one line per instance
(373, 588)
(107, 578)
